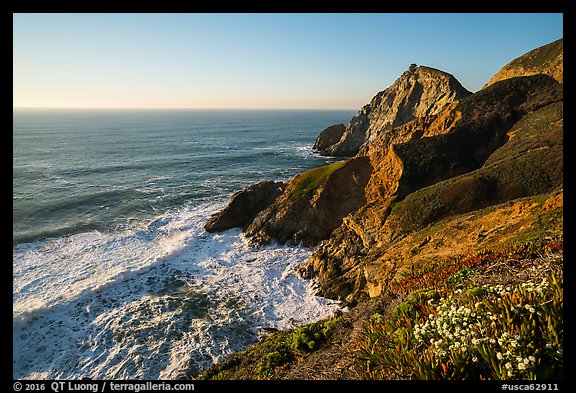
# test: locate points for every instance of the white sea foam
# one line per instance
(155, 303)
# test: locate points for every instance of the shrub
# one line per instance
(272, 360)
(308, 338)
(490, 332)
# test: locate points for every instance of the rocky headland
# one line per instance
(418, 93)
(431, 174)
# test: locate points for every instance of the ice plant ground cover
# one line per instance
(475, 327)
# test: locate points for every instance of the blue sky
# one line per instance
(330, 61)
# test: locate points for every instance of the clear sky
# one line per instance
(331, 61)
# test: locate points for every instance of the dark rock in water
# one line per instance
(244, 206)
(329, 137)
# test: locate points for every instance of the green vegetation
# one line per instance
(528, 164)
(539, 57)
(308, 181)
(459, 329)
(268, 358)
(542, 225)
(538, 130)
(448, 273)
(272, 360)
(479, 189)
(309, 337)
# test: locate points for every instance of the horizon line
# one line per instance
(173, 108)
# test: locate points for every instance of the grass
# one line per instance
(529, 164)
(539, 56)
(452, 327)
(541, 226)
(308, 181)
(449, 272)
(268, 358)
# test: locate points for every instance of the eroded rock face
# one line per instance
(547, 59)
(329, 136)
(405, 161)
(244, 206)
(310, 216)
(430, 159)
(420, 92)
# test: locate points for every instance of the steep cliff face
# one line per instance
(424, 199)
(440, 156)
(547, 59)
(413, 162)
(420, 92)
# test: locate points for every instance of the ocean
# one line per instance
(114, 276)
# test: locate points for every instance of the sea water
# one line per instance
(113, 274)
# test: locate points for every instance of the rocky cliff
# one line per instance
(313, 204)
(547, 59)
(419, 92)
(452, 199)
(401, 170)
(458, 156)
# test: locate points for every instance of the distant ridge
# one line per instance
(547, 59)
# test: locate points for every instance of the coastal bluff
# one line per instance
(427, 206)
(423, 151)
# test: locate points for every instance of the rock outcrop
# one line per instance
(244, 206)
(403, 168)
(426, 152)
(419, 92)
(313, 204)
(329, 137)
(547, 59)
(427, 205)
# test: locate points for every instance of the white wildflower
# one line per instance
(498, 356)
(521, 366)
